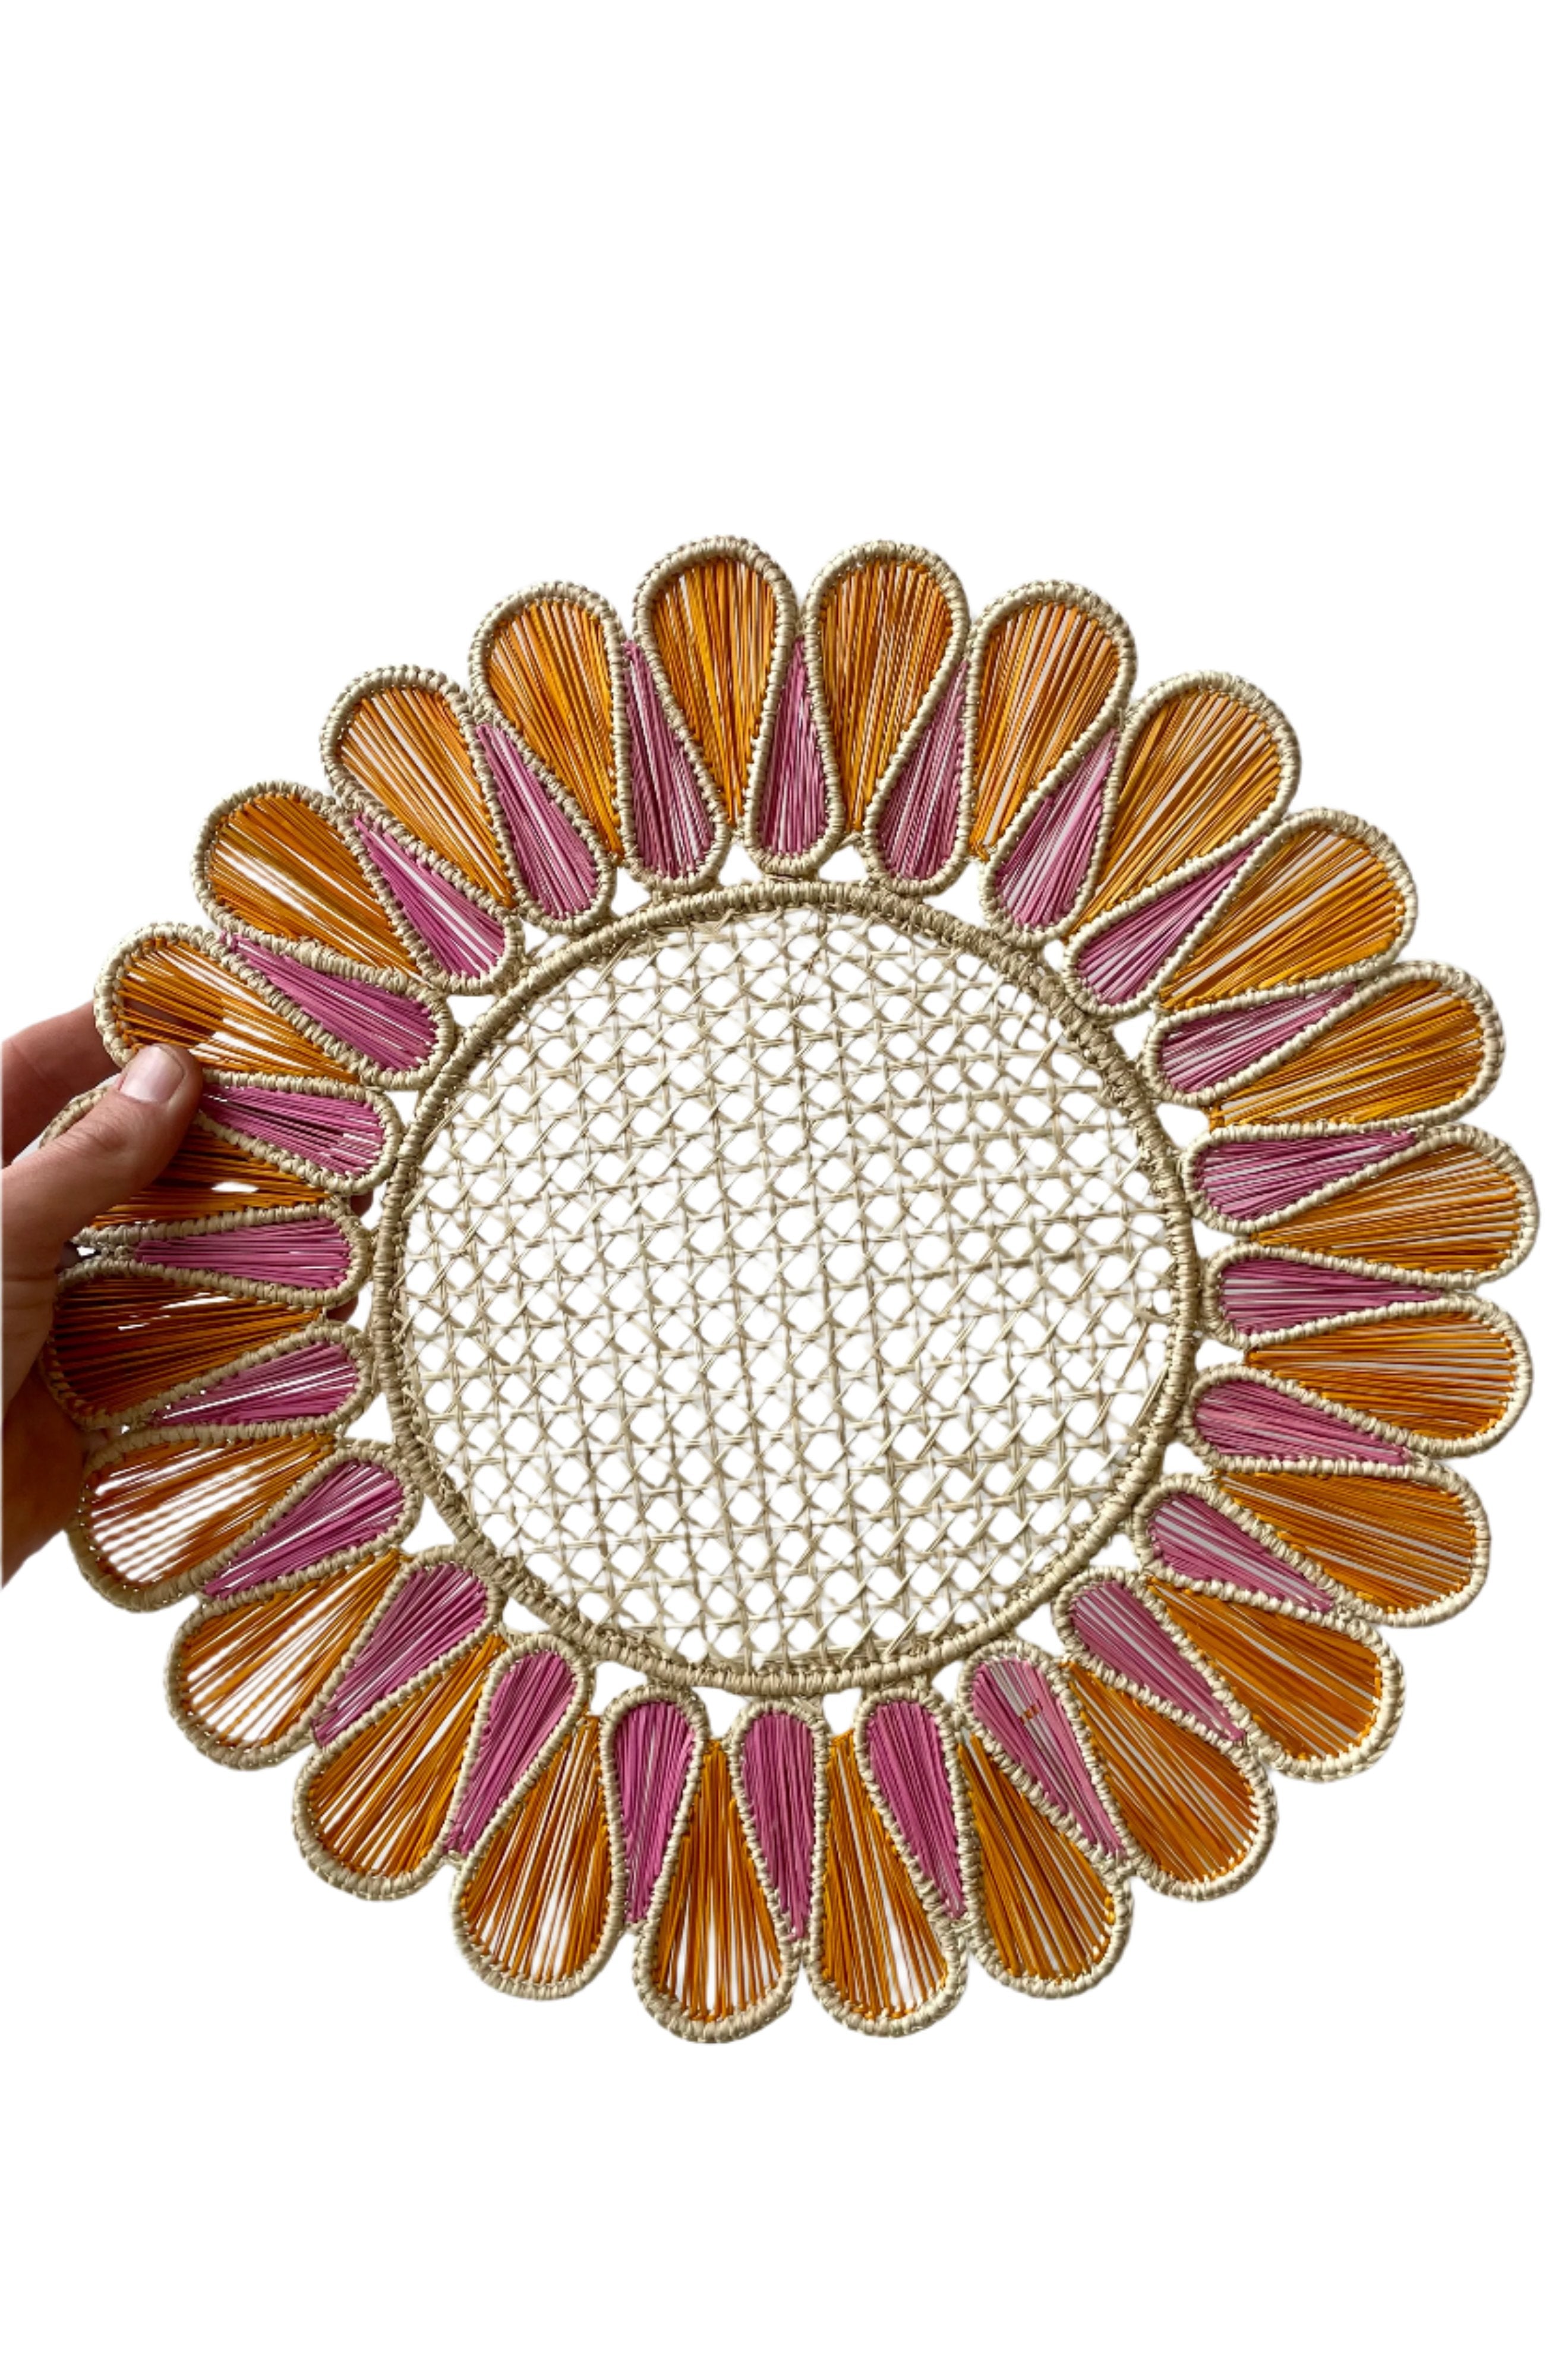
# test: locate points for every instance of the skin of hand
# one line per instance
(45, 1197)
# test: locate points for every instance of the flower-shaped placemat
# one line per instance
(788, 1286)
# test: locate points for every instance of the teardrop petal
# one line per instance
(278, 864)
(716, 621)
(534, 1907)
(796, 817)
(305, 1379)
(370, 1812)
(651, 1747)
(121, 1341)
(246, 1673)
(1205, 762)
(562, 873)
(908, 1761)
(1448, 1380)
(1049, 1922)
(1014, 1701)
(1241, 1181)
(1116, 964)
(1243, 1416)
(1038, 880)
(1460, 1209)
(1119, 1629)
(1252, 1291)
(1191, 1058)
(1201, 1816)
(1193, 1537)
(170, 989)
(778, 1784)
(1327, 895)
(1407, 1547)
(550, 663)
(528, 1701)
(357, 1501)
(395, 1033)
(210, 1177)
(880, 1961)
(1049, 664)
(673, 832)
(347, 1136)
(913, 828)
(713, 1965)
(400, 736)
(460, 938)
(1419, 1042)
(322, 1258)
(884, 630)
(1325, 1696)
(156, 1515)
(436, 1608)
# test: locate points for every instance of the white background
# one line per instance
(331, 326)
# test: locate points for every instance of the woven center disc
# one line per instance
(783, 1288)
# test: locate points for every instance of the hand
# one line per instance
(130, 1134)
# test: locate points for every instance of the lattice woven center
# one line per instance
(783, 1289)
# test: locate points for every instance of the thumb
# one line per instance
(130, 1134)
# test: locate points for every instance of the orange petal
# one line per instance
(881, 1960)
(712, 628)
(1197, 1816)
(1196, 769)
(714, 1958)
(374, 1807)
(534, 1906)
(282, 866)
(160, 1512)
(549, 665)
(1404, 1547)
(1049, 1915)
(1416, 1045)
(246, 1673)
(1321, 897)
(1317, 1692)
(121, 1340)
(1450, 1376)
(406, 745)
(1455, 1209)
(208, 1177)
(886, 633)
(171, 989)
(1045, 667)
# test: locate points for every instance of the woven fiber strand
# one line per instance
(784, 1286)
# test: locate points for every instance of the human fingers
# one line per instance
(118, 1145)
(42, 1067)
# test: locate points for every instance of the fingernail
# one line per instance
(153, 1076)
